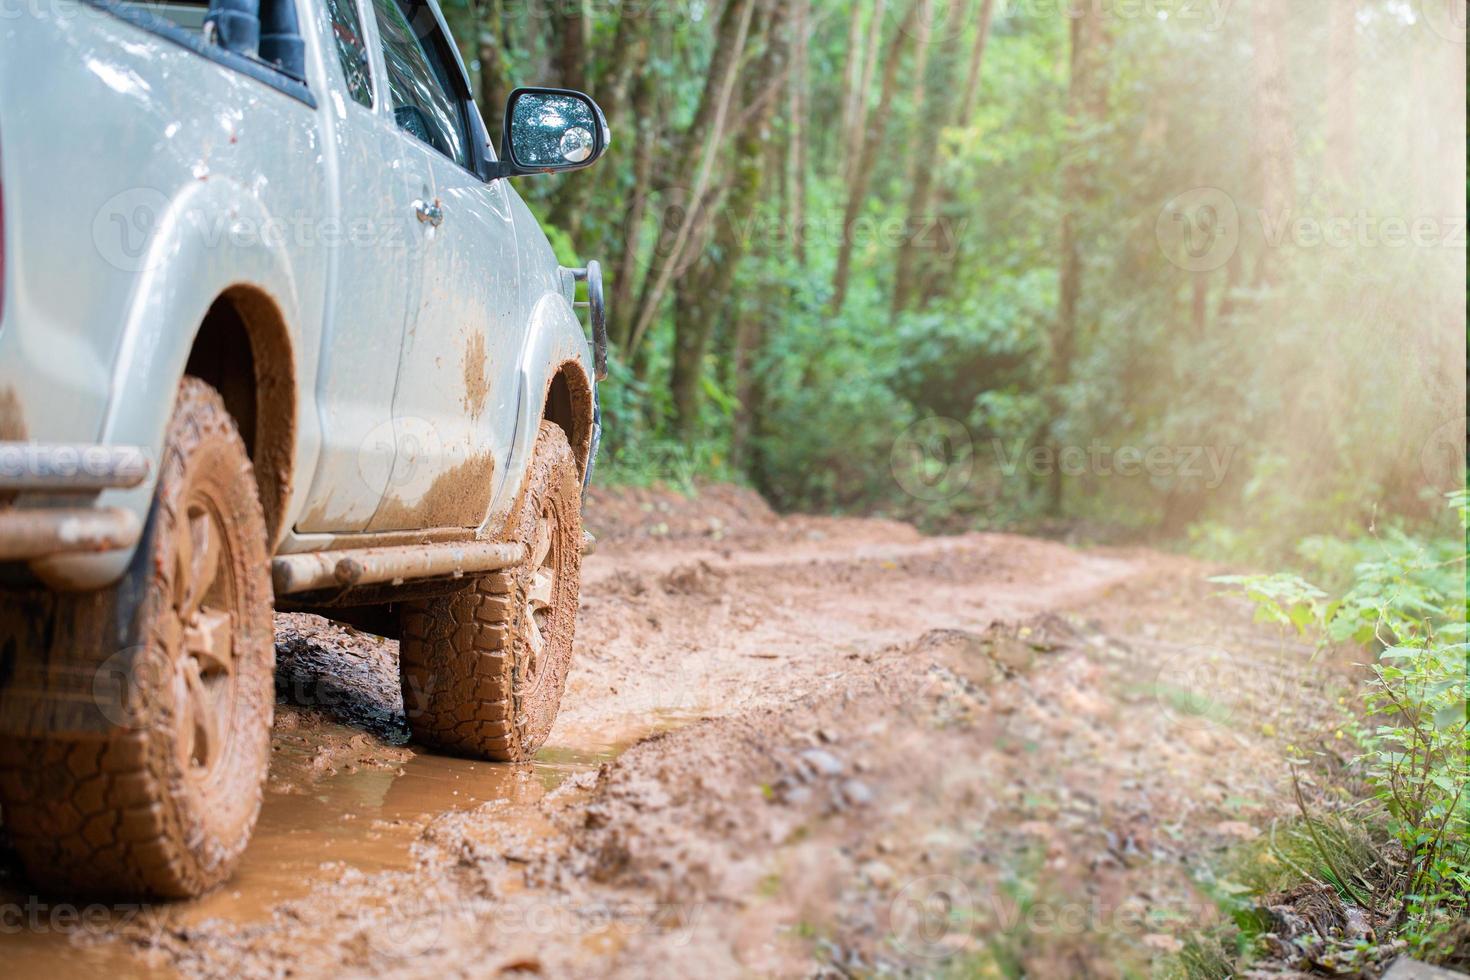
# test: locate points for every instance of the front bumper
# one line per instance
(48, 504)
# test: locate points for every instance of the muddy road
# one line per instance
(799, 746)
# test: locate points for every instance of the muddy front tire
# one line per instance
(162, 801)
(483, 670)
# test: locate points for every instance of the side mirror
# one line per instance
(550, 130)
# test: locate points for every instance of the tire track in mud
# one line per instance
(776, 753)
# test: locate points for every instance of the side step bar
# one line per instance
(70, 467)
(392, 565)
(26, 534)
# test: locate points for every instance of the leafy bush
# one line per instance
(1406, 603)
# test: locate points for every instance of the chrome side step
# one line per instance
(392, 565)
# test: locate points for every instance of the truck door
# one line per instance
(460, 332)
(374, 272)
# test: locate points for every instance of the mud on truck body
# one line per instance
(274, 329)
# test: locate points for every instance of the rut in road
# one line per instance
(796, 742)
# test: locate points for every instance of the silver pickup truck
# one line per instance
(274, 330)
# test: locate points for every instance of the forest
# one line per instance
(1183, 272)
(1174, 269)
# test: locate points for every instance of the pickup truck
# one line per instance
(275, 332)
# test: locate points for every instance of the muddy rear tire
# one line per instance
(163, 802)
(483, 670)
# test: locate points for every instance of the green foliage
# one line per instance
(635, 454)
(1284, 599)
(1407, 602)
(1319, 373)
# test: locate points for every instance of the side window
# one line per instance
(352, 50)
(419, 81)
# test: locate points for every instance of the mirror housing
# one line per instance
(549, 131)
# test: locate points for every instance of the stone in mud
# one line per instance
(878, 874)
(820, 762)
(856, 793)
(963, 654)
(789, 791)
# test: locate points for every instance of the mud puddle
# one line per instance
(362, 820)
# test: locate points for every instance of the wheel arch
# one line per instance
(554, 383)
(568, 402)
(243, 348)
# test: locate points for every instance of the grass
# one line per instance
(1349, 852)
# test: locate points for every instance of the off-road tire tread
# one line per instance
(458, 653)
(87, 815)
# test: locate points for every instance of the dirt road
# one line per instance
(800, 746)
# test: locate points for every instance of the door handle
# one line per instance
(430, 213)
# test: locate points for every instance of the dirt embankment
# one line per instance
(799, 746)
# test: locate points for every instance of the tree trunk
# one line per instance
(624, 284)
(1342, 77)
(569, 27)
(1274, 138)
(494, 69)
(704, 293)
(977, 58)
(749, 390)
(796, 145)
(863, 170)
(855, 138)
(853, 74)
(933, 280)
(629, 51)
(924, 166)
(698, 297)
(705, 136)
(1081, 101)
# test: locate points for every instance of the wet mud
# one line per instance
(785, 743)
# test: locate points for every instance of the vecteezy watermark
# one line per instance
(1442, 458)
(932, 917)
(415, 926)
(935, 459)
(1207, 464)
(398, 451)
(1362, 229)
(419, 923)
(934, 233)
(1191, 683)
(1198, 230)
(127, 683)
(673, 212)
(32, 915)
(72, 462)
(1447, 18)
(127, 229)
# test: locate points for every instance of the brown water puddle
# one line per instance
(366, 820)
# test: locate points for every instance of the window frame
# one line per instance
(368, 39)
(169, 31)
(472, 127)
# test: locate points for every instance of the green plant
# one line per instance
(1284, 599)
(1407, 602)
